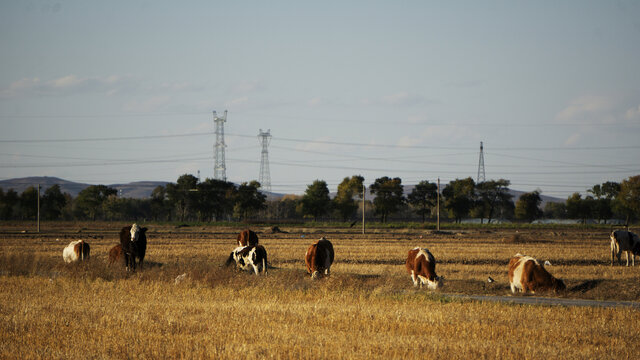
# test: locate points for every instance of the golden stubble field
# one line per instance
(368, 308)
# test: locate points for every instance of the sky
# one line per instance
(108, 92)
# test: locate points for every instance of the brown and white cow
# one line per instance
(116, 254)
(247, 238)
(249, 258)
(627, 242)
(319, 258)
(527, 274)
(422, 266)
(76, 250)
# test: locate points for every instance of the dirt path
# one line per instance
(532, 300)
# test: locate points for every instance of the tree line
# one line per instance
(189, 199)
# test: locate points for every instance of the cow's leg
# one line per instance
(626, 254)
(413, 278)
(255, 269)
(513, 288)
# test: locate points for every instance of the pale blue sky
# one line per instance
(376, 88)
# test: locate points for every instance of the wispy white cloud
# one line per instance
(73, 85)
(402, 98)
(572, 139)
(633, 114)
(587, 108)
(152, 104)
(246, 87)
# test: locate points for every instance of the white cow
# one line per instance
(627, 242)
(76, 250)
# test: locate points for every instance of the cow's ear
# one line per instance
(144, 229)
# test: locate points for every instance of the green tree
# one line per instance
(316, 201)
(528, 206)
(423, 198)
(555, 210)
(628, 198)
(88, 204)
(459, 197)
(344, 202)
(605, 195)
(160, 205)
(215, 199)
(389, 196)
(52, 203)
(492, 196)
(8, 203)
(28, 204)
(183, 195)
(248, 200)
(579, 208)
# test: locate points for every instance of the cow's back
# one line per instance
(247, 238)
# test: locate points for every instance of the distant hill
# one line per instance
(143, 189)
(137, 190)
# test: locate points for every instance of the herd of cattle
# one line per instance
(525, 273)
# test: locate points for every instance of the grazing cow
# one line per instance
(76, 250)
(422, 267)
(527, 274)
(133, 240)
(249, 257)
(115, 254)
(319, 258)
(627, 242)
(247, 238)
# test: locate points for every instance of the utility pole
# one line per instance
(38, 208)
(219, 168)
(438, 207)
(265, 176)
(364, 191)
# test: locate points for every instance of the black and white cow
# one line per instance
(249, 258)
(627, 242)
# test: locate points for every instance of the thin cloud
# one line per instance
(402, 98)
(587, 108)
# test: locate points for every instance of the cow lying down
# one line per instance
(249, 258)
(527, 274)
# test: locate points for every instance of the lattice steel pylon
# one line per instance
(481, 177)
(265, 176)
(219, 168)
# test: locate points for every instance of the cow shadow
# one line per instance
(585, 286)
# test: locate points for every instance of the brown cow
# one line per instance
(319, 258)
(116, 254)
(527, 274)
(76, 250)
(247, 238)
(422, 267)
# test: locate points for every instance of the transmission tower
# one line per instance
(481, 177)
(219, 169)
(265, 177)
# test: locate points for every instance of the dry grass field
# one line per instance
(368, 308)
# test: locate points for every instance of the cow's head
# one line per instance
(558, 285)
(135, 232)
(436, 283)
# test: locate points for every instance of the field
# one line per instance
(367, 308)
